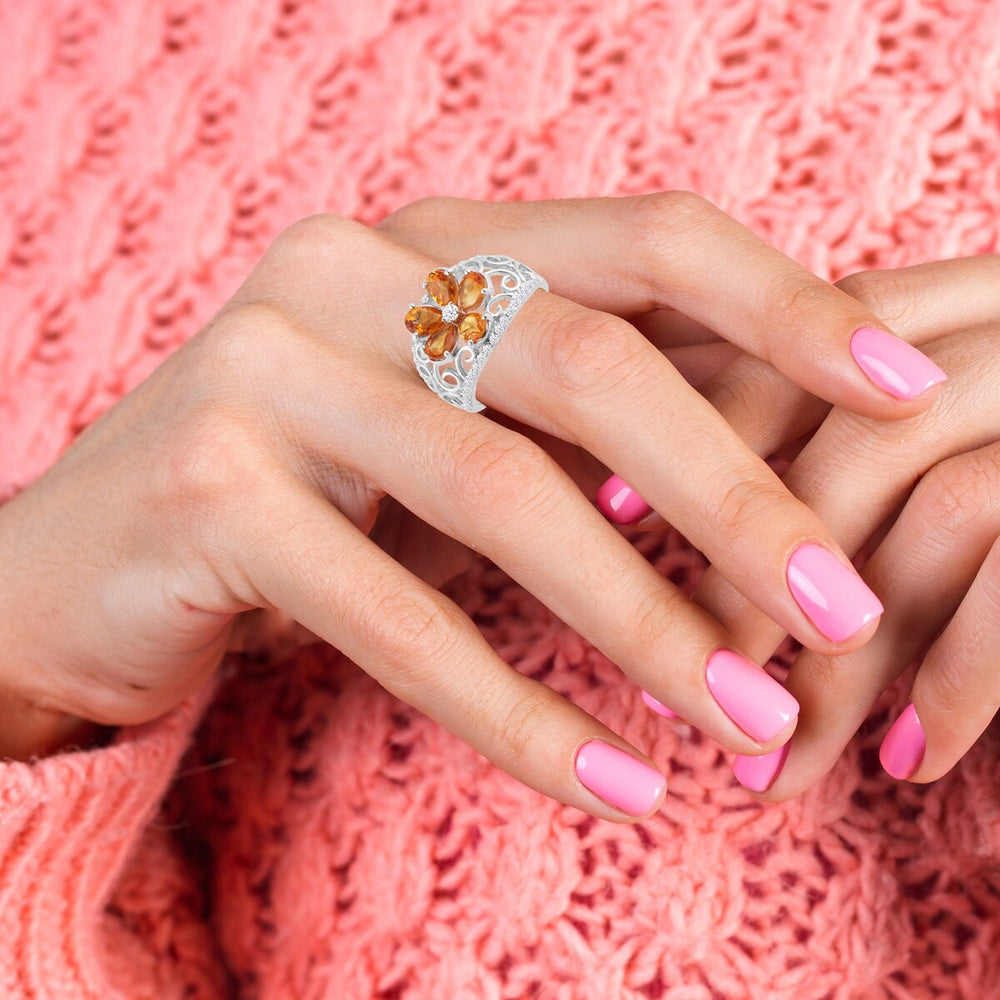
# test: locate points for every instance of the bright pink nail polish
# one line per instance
(831, 593)
(749, 695)
(658, 706)
(618, 778)
(903, 748)
(621, 503)
(758, 773)
(895, 366)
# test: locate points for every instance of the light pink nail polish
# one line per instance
(831, 593)
(621, 503)
(749, 695)
(903, 748)
(892, 364)
(758, 773)
(618, 778)
(658, 706)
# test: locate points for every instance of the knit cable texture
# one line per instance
(323, 839)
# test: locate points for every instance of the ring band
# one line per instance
(465, 311)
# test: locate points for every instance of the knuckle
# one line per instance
(745, 508)
(744, 393)
(411, 631)
(663, 223)
(883, 293)
(318, 232)
(207, 462)
(419, 216)
(654, 619)
(945, 688)
(800, 298)
(240, 336)
(587, 359)
(342, 249)
(211, 440)
(240, 351)
(955, 492)
(824, 675)
(495, 472)
(516, 726)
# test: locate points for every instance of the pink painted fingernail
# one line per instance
(831, 593)
(658, 706)
(749, 695)
(618, 778)
(903, 748)
(892, 364)
(758, 773)
(621, 503)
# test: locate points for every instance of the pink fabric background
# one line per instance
(323, 840)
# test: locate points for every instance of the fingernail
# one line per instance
(618, 778)
(658, 706)
(832, 594)
(621, 503)
(758, 773)
(903, 748)
(892, 364)
(749, 695)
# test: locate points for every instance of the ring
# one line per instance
(464, 312)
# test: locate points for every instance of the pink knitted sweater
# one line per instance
(297, 833)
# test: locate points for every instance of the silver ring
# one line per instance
(465, 311)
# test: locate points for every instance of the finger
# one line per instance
(922, 571)
(666, 328)
(856, 473)
(700, 363)
(928, 301)
(955, 695)
(488, 487)
(423, 649)
(922, 303)
(677, 251)
(590, 379)
(587, 376)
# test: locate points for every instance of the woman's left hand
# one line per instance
(923, 495)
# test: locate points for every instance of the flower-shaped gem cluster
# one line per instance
(456, 316)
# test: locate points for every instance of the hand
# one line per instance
(923, 495)
(250, 469)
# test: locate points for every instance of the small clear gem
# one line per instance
(450, 313)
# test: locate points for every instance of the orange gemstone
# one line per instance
(442, 287)
(441, 343)
(471, 291)
(424, 320)
(472, 327)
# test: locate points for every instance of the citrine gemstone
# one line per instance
(472, 327)
(441, 343)
(442, 287)
(424, 320)
(471, 291)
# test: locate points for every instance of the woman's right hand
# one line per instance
(921, 497)
(250, 469)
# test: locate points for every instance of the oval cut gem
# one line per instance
(441, 343)
(442, 287)
(424, 320)
(472, 327)
(471, 291)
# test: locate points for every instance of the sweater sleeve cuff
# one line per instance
(67, 824)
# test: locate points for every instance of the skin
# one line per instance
(920, 498)
(289, 459)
